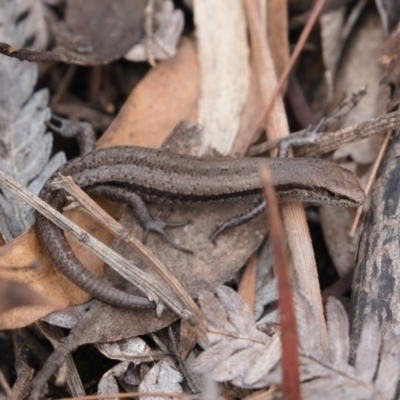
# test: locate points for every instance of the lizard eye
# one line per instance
(332, 195)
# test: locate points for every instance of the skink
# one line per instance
(130, 174)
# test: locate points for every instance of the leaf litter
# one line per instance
(240, 351)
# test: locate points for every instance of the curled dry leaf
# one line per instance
(163, 377)
(132, 349)
(155, 106)
(109, 381)
(168, 24)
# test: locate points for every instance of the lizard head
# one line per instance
(339, 187)
(321, 182)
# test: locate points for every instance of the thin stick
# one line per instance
(64, 85)
(136, 394)
(331, 141)
(149, 11)
(247, 286)
(287, 317)
(4, 384)
(371, 179)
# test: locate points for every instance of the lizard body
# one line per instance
(162, 176)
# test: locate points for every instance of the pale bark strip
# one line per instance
(293, 216)
(225, 72)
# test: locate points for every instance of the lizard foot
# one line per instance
(82, 131)
(158, 225)
(237, 220)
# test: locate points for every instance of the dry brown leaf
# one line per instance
(22, 260)
(336, 224)
(14, 294)
(166, 95)
(210, 265)
(94, 32)
(359, 68)
(44, 279)
(107, 29)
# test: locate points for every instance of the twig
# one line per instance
(149, 11)
(65, 83)
(55, 335)
(247, 287)
(118, 230)
(62, 350)
(4, 230)
(371, 179)
(138, 394)
(123, 266)
(340, 287)
(357, 132)
(287, 320)
(331, 141)
(4, 384)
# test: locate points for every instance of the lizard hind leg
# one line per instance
(141, 212)
(237, 220)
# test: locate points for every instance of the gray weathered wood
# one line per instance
(376, 285)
